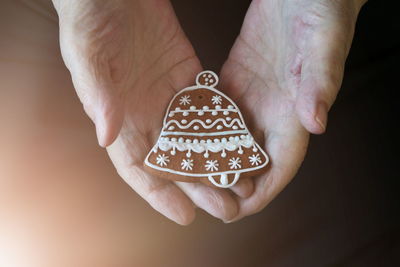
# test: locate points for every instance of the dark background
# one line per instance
(342, 208)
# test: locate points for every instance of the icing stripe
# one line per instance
(166, 145)
(204, 110)
(205, 134)
(228, 125)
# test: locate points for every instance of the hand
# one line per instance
(284, 72)
(127, 59)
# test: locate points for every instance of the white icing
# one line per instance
(224, 180)
(217, 99)
(185, 100)
(215, 145)
(196, 127)
(235, 163)
(214, 113)
(187, 164)
(165, 133)
(171, 128)
(209, 121)
(219, 127)
(183, 121)
(211, 165)
(225, 111)
(200, 113)
(185, 113)
(228, 118)
(162, 160)
(205, 126)
(192, 108)
(255, 159)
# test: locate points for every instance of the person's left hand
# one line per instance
(284, 72)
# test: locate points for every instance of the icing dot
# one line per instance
(230, 107)
(206, 155)
(205, 108)
(237, 138)
(208, 120)
(204, 75)
(216, 140)
(234, 127)
(188, 141)
(177, 108)
(226, 113)
(240, 151)
(223, 154)
(242, 136)
(217, 107)
(200, 113)
(228, 118)
(202, 141)
(192, 107)
(223, 140)
(209, 75)
(185, 113)
(206, 79)
(184, 121)
(255, 149)
(171, 127)
(196, 127)
(173, 139)
(214, 113)
(231, 138)
(195, 141)
(211, 80)
(173, 152)
(219, 127)
(171, 114)
(180, 140)
(209, 141)
(166, 138)
(188, 154)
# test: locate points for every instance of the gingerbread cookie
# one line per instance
(204, 138)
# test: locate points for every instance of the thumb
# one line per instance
(322, 71)
(92, 78)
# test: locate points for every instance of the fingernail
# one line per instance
(100, 131)
(322, 116)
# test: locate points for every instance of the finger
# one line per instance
(88, 61)
(322, 72)
(163, 195)
(286, 155)
(244, 187)
(217, 202)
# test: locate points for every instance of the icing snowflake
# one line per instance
(235, 163)
(185, 100)
(217, 99)
(255, 159)
(212, 165)
(187, 164)
(162, 160)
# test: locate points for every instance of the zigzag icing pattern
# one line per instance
(228, 125)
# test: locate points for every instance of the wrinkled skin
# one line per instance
(128, 58)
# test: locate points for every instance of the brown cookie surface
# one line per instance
(204, 139)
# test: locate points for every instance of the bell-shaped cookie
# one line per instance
(205, 139)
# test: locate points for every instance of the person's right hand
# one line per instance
(127, 59)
